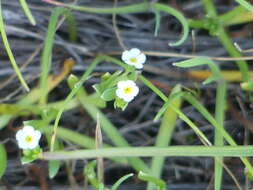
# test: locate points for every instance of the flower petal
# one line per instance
(141, 58)
(125, 55)
(19, 135)
(121, 84)
(28, 129)
(134, 52)
(138, 65)
(37, 135)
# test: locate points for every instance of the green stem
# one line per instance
(135, 8)
(229, 46)
(164, 135)
(202, 136)
(210, 8)
(224, 133)
(70, 96)
(245, 4)
(3, 160)
(78, 139)
(218, 139)
(213, 151)
(225, 39)
(153, 87)
(179, 16)
(9, 52)
(138, 7)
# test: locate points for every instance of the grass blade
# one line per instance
(48, 46)
(9, 52)
(191, 99)
(3, 160)
(164, 135)
(27, 11)
(245, 4)
(179, 16)
(121, 180)
(220, 107)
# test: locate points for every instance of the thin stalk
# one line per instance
(3, 160)
(225, 39)
(70, 96)
(228, 44)
(135, 8)
(154, 88)
(9, 52)
(78, 139)
(138, 7)
(164, 135)
(201, 135)
(200, 151)
(218, 138)
(212, 120)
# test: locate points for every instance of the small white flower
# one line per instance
(127, 90)
(28, 138)
(134, 57)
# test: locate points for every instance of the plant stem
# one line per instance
(135, 8)
(228, 44)
(9, 52)
(201, 151)
(70, 96)
(218, 138)
(164, 135)
(225, 39)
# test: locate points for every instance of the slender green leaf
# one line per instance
(9, 52)
(27, 11)
(179, 16)
(220, 107)
(48, 46)
(245, 4)
(3, 160)
(197, 61)
(158, 182)
(120, 181)
(138, 7)
(164, 135)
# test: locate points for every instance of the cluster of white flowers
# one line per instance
(127, 89)
(28, 137)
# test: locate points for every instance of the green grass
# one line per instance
(9, 52)
(35, 102)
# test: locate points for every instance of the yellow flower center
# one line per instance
(128, 90)
(28, 139)
(133, 59)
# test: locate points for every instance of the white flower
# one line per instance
(127, 90)
(28, 138)
(134, 57)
